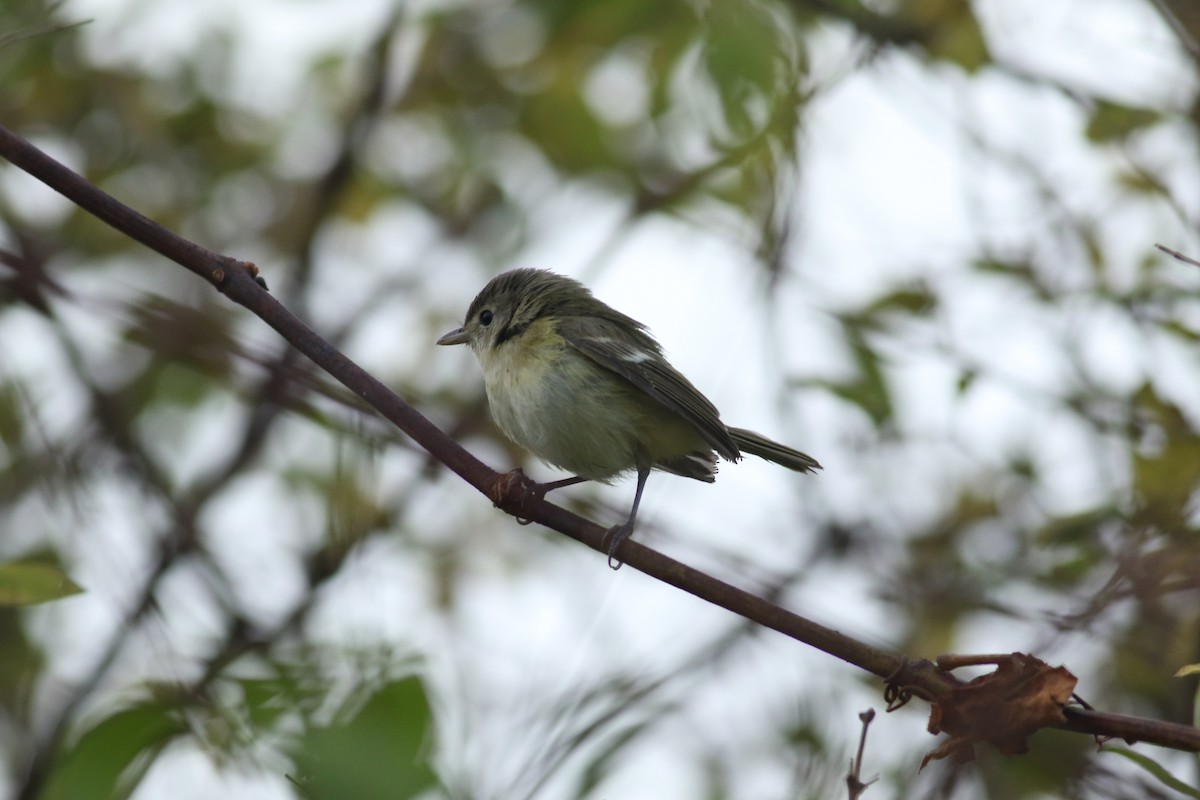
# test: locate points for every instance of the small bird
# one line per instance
(587, 389)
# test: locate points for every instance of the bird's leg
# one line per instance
(503, 484)
(542, 489)
(539, 490)
(619, 533)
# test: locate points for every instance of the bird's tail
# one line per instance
(759, 445)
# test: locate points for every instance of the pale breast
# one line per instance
(564, 409)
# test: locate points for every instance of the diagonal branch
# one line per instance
(238, 281)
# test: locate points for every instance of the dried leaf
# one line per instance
(1002, 708)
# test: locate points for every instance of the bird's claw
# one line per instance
(612, 540)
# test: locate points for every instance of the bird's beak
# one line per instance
(456, 336)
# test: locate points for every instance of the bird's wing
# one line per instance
(630, 352)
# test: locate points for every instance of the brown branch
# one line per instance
(237, 280)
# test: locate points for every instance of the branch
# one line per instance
(855, 786)
(1178, 256)
(238, 281)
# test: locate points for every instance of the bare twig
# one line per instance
(1178, 255)
(855, 785)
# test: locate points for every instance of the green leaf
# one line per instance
(870, 392)
(1184, 672)
(382, 752)
(29, 583)
(1077, 529)
(1113, 122)
(12, 416)
(1167, 468)
(105, 763)
(1155, 769)
(559, 118)
(741, 55)
(1142, 181)
(952, 32)
(966, 380)
(916, 300)
(268, 699)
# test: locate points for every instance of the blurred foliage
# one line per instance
(381, 751)
(1159, 771)
(110, 757)
(135, 405)
(23, 584)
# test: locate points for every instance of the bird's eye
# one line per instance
(485, 317)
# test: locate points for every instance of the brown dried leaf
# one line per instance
(1002, 708)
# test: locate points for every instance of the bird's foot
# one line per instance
(612, 540)
(506, 483)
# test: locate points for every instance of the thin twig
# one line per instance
(854, 782)
(1178, 255)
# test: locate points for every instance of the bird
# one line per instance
(587, 389)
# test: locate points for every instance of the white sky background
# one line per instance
(892, 191)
